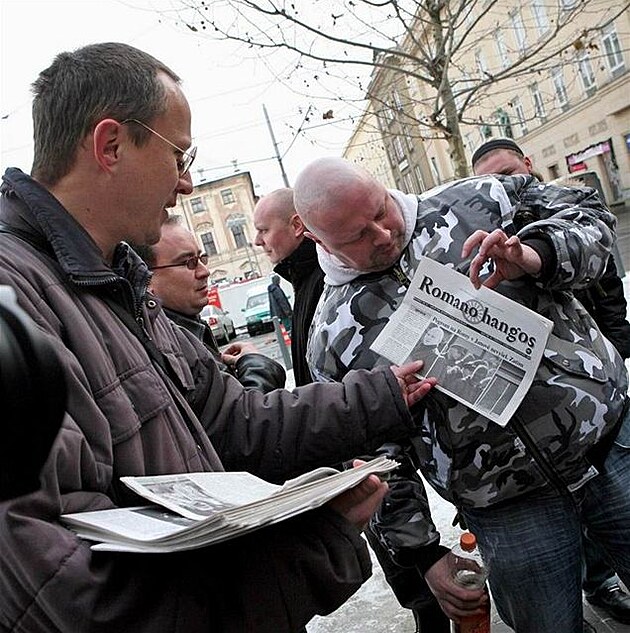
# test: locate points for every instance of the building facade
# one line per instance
(366, 148)
(220, 214)
(570, 111)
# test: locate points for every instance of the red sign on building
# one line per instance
(213, 297)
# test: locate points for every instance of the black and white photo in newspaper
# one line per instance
(483, 348)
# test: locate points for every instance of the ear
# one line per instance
(297, 225)
(528, 163)
(316, 240)
(106, 143)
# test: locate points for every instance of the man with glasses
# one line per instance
(145, 397)
(186, 159)
(180, 281)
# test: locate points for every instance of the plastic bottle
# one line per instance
(470, 571)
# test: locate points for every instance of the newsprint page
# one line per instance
(198, 509)
(482, 347)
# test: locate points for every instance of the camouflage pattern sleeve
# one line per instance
(578, 226)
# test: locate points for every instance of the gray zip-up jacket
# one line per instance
(578, 393)
(123, 418)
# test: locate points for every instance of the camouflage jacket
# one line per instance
(579, 390)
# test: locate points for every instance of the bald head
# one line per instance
(323, 188)
(279, 229)
(348, 213)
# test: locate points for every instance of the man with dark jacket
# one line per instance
(112, 153)
(528, 488)
(280, 231)
(606, 303)
(279, 305)
(180, 280)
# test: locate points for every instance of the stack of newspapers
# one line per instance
(198, 509)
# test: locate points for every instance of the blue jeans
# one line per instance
(534, 545)
(598, 574)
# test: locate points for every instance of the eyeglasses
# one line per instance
(187, 159)
(191, 263)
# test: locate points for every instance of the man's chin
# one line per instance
(383, 264)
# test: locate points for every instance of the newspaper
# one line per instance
(198, 509)
(483, 348)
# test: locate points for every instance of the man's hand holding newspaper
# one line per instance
(483, 348)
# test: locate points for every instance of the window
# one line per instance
(469, 142)
(562, 98)
(227, 196)
(388, 114)
(539, 104)
(486, 132)
(396, 101)
(239, 235)
(586, 74)
(519, 111)
(519, 30)
(399, 149)
(503, 121)
(461, 88)
(207, 239)
(419, 178)
(390, 156)
(410, 185)
(499, 40)
(470, 16)
(482, 67)
(197, 205)
(435, 170)
(404, 130)
(540, 16)
(614, 58)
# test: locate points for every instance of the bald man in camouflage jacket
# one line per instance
(563, 459)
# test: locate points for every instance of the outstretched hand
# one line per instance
(413, 389)
(512, 259)
(358, 504)
(231, 354)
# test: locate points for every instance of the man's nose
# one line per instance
(184, 184)
(381, 235)
(201, 272)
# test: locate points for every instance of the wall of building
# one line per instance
(220, 213)
(583, 116)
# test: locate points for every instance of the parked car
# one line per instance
(257, 313)
(220, 323)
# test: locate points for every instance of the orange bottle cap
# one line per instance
(468, 541)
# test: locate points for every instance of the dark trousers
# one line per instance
(411, 591)
(596, 568)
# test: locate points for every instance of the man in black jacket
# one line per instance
(606, 303)
(180, 281)
(280, 231)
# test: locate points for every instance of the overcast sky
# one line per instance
(226, 90)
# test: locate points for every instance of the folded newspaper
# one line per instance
(483, 348)
(199, 509)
